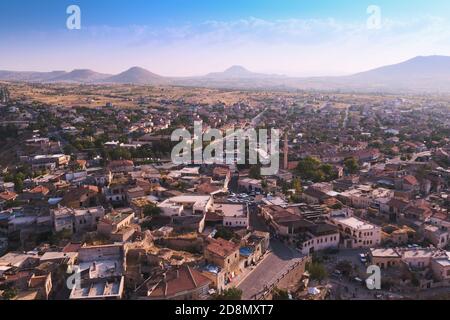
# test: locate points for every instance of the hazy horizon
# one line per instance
(177, 38)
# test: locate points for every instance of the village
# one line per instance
(93, 207)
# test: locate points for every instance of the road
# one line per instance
(271, 268)
(345, 123)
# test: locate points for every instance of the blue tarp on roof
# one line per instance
(212, 268)
(246, 251)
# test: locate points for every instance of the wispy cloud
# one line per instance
(291, 46)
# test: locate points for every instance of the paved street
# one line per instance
(277, 261)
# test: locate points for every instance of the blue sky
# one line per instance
(192, 37)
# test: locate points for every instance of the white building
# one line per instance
(186, 205)
(234, 215)
(76, 220)
(319, 237)
(357, 233)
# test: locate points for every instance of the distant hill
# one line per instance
(236, 72)
(137, 75)
(29, 76)
(80, 76)
(427, 74)
(421, 74)
(233, 77)
(419, 67)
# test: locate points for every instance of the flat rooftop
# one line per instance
(98, 290)
(354, 223)
(231, 210)
(102, 269)
(385, 253)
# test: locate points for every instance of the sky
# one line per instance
(195, 37)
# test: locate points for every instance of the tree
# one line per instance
(265, 185)
(297, 186)
(224, 233)
(9, 293)
(351, 165)
(317, 271)
(230, 294)
(329, 172)
(18, 182)
(147, 225)
(313, 169)
(279, 294)
(309, 169)
(255, 172)
(345, 267)
(151, 211)
(337, 206)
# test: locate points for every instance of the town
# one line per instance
(92, 207)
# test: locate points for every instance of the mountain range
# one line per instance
(420, 74)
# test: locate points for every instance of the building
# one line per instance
(101, 270)
(121, 166)
(224, 254)
(76, 220)
(364, 196)
(356, 233)
(251, 185)
(441, 267)
(183, 283)
(439, 237)
(117, 226)
(385, 257)
(314, 196)
(234, 215)
(317, 237)
(186, 205)
(49, 162)
(82, 197)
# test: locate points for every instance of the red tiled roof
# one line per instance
(40, 189)
(121, 163)
(8, 196)
(411, 180)
(72, 247)
(221, 247)
(179, 281)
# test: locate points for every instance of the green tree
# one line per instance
(297, 185)
(310, 169)
(147, 225)
(345, 267)
(151, 211)
(9, 293)
(255, 172)
(329, 172)
(317, 271)
(351, 165)
(18, 181)
(224, 233)
(279, 294)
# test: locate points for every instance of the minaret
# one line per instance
(286, 151)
